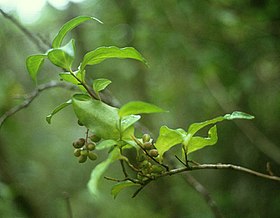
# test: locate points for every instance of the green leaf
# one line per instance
(167, 139)
(34, 63)
(57, 109)
(106, 144)
(120, 186)
(197, 143)
(235, 115)
(97, 116)
(138, 107)
(68, 27)
(68, 77)
(63, 57)
(102, 53)
(129, 121)
(238, 115)
(100, 169)
(100, 84)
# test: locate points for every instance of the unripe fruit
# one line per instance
(90, 146)
(84, 152)
(95, 138)
(77, 152)
(82, 158)
(146, 138)
(79, 143)
(80, 123)
(153, 152)
(141, 157)
(156, 169)
(147, 145)
(92, 156)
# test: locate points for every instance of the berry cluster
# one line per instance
(148, 159)
(84, 149)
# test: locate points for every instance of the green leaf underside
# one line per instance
(57, 109)
(68, 27)
(106, 144)
(102, 53)
(167, 139)
(238, 115)
(129, 121)
(101, 118)
(100, 169)
(139, 107)
(34, 63)
(100, 84)
(117, 188)
(63, 57)
(197, 143)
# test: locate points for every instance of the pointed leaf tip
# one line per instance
(139, 107)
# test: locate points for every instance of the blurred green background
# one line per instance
(206, 58)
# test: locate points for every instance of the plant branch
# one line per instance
(29, 34)
(220, 166)
(32, 96)
(197, 186)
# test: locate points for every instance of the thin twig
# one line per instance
(220, 166)
(68, 204)
(29, 34)
(204, 193)
(32, 96)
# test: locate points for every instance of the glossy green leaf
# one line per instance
(129, 121)
(34, 63)
(167, 139)
(97, 116)
(197, 143)
(106, 144)
(68, 27)
(235, 115)
(102, 53)
(99, 170)
(57, 109)
(100, 84)
(139, 107)
(117, 188)
(63, 57)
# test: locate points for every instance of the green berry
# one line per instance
(77, 152)
(84, 152)
(80, 123)
(95, 138)
(147, 145)
(79, 143)
(156, 169)
(153, 152)
(146, 138)
(92, 156)
(82, 158)
(90, 146)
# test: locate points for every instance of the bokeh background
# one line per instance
(206, 58)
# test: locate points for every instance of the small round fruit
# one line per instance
(80, 123)
(84, 152)
(146, 138)
(95, 138)
(153, 152)
(92, 156)
(82, 158)
(77, 152)
(156, 169)
(79, 143)
(90, 146)
(147, 145)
